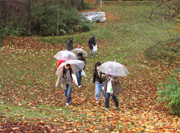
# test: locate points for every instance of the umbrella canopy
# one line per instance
(64, 55)
(76, 65)
(79, 50)
(113, 68)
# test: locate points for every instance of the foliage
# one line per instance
(171, 92)
(88, 6)
(44, 22)
(30, 101)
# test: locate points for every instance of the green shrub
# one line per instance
(44, 22)
(170, 92)
(88, 6)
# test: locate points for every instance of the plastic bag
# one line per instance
(95, 48)
(109, 87)
(83, 73)
(74, 79)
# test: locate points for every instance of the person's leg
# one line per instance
(107, 96)
(78, 74)
(116, 101)
(102, 86)
(97, 92)
(68, 94)
(91, 53)
(65, 92)
(80, 77)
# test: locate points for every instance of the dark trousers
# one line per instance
(107, 96)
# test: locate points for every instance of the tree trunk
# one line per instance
(29, 17)
(5, 13)
(80, 4)
(68, 3)
(73, 3)
(58, 18)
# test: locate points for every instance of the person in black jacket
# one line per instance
(92, 42)
(97, 77)
(78, 74)
(69, 44)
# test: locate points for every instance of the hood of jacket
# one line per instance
(70, 39)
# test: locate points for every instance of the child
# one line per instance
(97, 76)
(78, 74)
(65, 77)
(115, 85)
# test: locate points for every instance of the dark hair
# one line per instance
(97, 64)
(64, 70)
(80, 54)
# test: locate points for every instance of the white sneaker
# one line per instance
(80, 86)
(115, 107)
(107, 109)
(67, 104)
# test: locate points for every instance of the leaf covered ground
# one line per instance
(30, 102)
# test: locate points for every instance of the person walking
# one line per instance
(116, 86)
(65, 77)
(78, 74)
(69, 44)
(97, 77)
(92, 42)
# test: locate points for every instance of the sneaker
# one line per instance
(67, 104)
(97, 101)
(107, 109)
(115, 107)
(80, 86)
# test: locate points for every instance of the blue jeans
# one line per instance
(107, 96)
(98, 90)
(67, 93)
(92, 53)
(78, 74)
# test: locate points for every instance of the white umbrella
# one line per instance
(64, 55)
(113, 68)
(79, 50)
(76, 65)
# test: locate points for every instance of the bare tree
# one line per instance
(80, 4)
(58, 17)
(29, 17)
(5, 12)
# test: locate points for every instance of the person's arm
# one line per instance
(94, 77)
(90, 41)
(85, 63)
(94, 41)
(103, 77)
(59, 78)
(115, 79)
(67, 45)
(57, 82)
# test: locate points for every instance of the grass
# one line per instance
(27, 76)
(80, 38)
